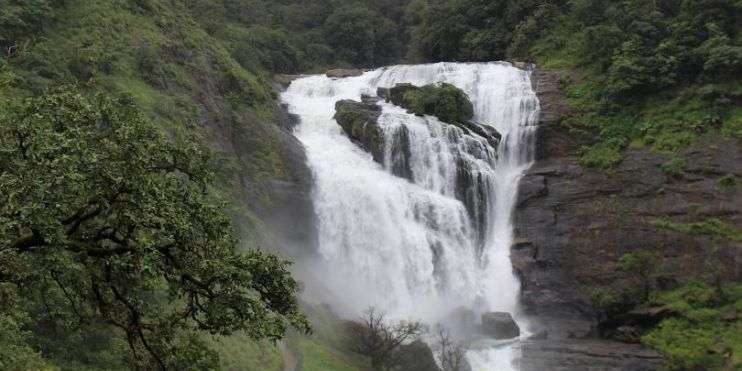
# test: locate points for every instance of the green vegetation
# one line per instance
(106, 225)
(705, 331)
(674, 167)
(600, 156)
(641, 265)
(714, 228)
(316, 356)
(728, 181)
(444, 101)
(155, 80)
(651, 73)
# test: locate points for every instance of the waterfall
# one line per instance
(423, 245)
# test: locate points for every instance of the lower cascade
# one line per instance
(422, 229)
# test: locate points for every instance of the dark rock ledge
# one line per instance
(573, 224)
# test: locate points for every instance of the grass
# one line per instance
(674, 167)
(239, 352)
(316, 356)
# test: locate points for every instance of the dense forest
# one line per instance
(136, 136)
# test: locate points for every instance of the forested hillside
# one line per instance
(111, 110)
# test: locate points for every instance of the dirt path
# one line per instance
(290, 358)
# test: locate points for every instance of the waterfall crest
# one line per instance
(422, 245)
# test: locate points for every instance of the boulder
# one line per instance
(444, 101)
(359, 121)
(284, 80)
(340, 73)
(416, 356)
(500, 325)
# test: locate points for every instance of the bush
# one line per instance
(674, 167)
(727, 182)
(600, 156)
(699, 336)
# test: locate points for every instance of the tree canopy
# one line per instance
(106, 221)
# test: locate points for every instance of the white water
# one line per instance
(411, 248)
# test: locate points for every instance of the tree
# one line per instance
(641, 265)
(451, 354)
(374, 336)
(362, 36)
(100, 210)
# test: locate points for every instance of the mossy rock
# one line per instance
(444, 101)
(359, 121)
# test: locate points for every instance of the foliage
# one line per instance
(19, 20)
(641, 265)
(380, 340)
(442, 100)
(118, 223)
(712, 227)
(600, 156)
(727, 181)
(361, 36)
(674, 167)
(701, 334)
(15, 353)
(474, 30)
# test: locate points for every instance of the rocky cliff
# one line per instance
(573, 224)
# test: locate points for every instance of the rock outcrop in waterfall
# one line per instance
(392, 147)
(415, 213)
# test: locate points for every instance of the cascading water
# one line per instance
(424, 246)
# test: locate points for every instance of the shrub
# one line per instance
(727, 181)
(600, 156)
(674, 167)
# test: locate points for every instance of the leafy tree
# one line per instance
(361, 36)
(641, 265)
(103, 220)
(20, 19)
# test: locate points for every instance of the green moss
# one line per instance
(712, 227)
(600, 156)
(316, 356)
(674, 167)
(699, 334)
(728, 181)
(445, 101)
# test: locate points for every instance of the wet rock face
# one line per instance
(359, 121)
(290, 214)
(416, 356)
(573, 224)
(500, 325)
(342, 73)
(570, 355)
(473, 191)
(400, 153)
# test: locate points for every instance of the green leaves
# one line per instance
(108, 213)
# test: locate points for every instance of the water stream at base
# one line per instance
(411, 247)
